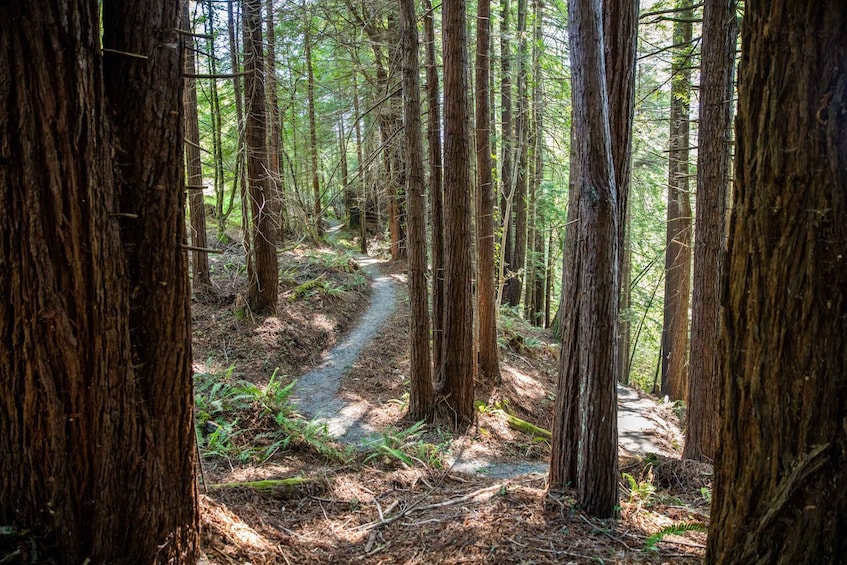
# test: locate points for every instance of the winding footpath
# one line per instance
(316, 396)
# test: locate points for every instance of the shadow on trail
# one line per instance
(316, 393)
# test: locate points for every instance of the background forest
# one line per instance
(333, 280)
(333, 71)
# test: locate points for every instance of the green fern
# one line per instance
(673, 530)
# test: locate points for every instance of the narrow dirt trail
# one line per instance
(316, 393)
(641, 429)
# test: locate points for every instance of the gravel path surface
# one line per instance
(316, 396)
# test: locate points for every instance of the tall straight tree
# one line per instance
(507, 248)
(274, 128)
(678, 236)
(514, 287)
(313, 136)
(95, 348)
(620, 27)
(459, 358)
(584, 452)
(421, 399)
(194, 166)
(720, 30)
(489, 365)
(781, 466)
(263, 290)
(436, 192)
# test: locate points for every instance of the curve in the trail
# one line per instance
(316, 393)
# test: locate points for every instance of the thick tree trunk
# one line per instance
(459, 357)
(585, 450)
(421, 397)
(436, 193)
(678, 237)
(781, 468)
(620, 24)
(720, 30)
(147, 123)
(489, 366)
(95, 354)
(196, 204)
(263, 290)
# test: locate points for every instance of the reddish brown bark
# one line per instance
(780, 491)
(459, 358)
(678, 234)
(489, 366)
(95, 355)
(584, 452)
(263, 289)
(421, 397)
(720, 31)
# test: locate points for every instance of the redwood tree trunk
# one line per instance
(720, 30)
(459, 357)
(196, 204)
(585, 450)
(781, 468)
(436, 196)
(95, 354)
(263, 290)
(620, 25)
(489, 365)
(678, 236)
(421, 398)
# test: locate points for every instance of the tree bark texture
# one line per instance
(421, 397)
(584, 452)
(489, 365)
(678, 237)
(436, 192)
(781, 469)
(95, 399)
(275, 128)
(459, 357)
(147, 123)
(720, 31)
(263, 290)
(620, 27)
(194, 167)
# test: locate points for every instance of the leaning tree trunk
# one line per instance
(585, 450)
(459, 356)
(720, 30)
(678, 237)
(781, 468)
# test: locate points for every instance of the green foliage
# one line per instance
(407, 447)
(673, 530)
(222, 401)
(640, 492)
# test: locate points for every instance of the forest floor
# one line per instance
(308, 457)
